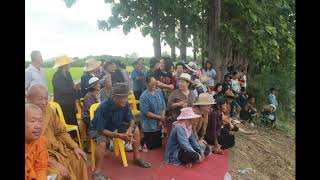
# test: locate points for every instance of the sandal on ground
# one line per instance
(142, 163)
(99, 176)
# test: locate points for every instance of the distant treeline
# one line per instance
(80, 62)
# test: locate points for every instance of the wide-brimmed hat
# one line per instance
(61, 61)
(203, 78)
(204, 99)
(229, 94)
(92, 82)
(192, 66)
(187, 113)
(120, 89)
(185, 76)
(91, 64)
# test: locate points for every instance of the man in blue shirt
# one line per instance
(113, 119)
(137, 76)
(272, 99)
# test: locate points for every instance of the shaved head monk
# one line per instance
(36, 153)
(65, 157)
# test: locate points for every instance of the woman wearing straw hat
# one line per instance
(202, 107)
(89, 71)
(179, 98)
(182, 146)
(64, 90)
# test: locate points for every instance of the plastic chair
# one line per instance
(118, 143)
(51, 97)
(133, 104)
(82, 125)
(69, 128)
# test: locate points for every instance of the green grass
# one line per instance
(76, 73)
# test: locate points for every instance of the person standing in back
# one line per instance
(211, 74)
(64, 90)
(137, 77)
(35, 74)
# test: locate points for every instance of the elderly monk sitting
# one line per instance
(65, 157)
(36, 153)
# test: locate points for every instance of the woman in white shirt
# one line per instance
(211, 74)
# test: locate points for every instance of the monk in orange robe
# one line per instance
(66, 159)
(36, 153)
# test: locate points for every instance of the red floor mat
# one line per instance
(212, 168)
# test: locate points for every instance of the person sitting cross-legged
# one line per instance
(182, 146)
(113, 119)
(36, 153)
(66, 159)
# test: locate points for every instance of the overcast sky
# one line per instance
(54, 29)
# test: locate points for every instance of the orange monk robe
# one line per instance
(36, 160)
(60, 146)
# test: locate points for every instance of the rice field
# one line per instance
(76, 73)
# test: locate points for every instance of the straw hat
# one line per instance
(91, 64)
(192, 66)
(203, 78)
(229, 94)
(187, 113)
(92, 82)
(61, 61)
(185, 76)
(204, 99)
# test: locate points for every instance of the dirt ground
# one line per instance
(268, 155)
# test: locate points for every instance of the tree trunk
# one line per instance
(155, 34)
(172, 45)
(183, 38)
(195, 48)
(173, 52)
(214, 40)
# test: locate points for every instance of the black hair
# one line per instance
(180, 64)
(148, 78)
(216, 86)
(234, 73)
(168, 63)
(33, 55)
(272, 89)
(243, 89)
(205, 65)
(135, 63)
(250, 97)
(153, 61)
(220, 101)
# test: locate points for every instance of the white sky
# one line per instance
(54, 29)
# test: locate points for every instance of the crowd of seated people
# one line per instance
(185, 106)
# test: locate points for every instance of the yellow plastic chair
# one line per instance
(133, 104)
(82, 125)
(69, 128)
(118, 144)
(51, 97)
